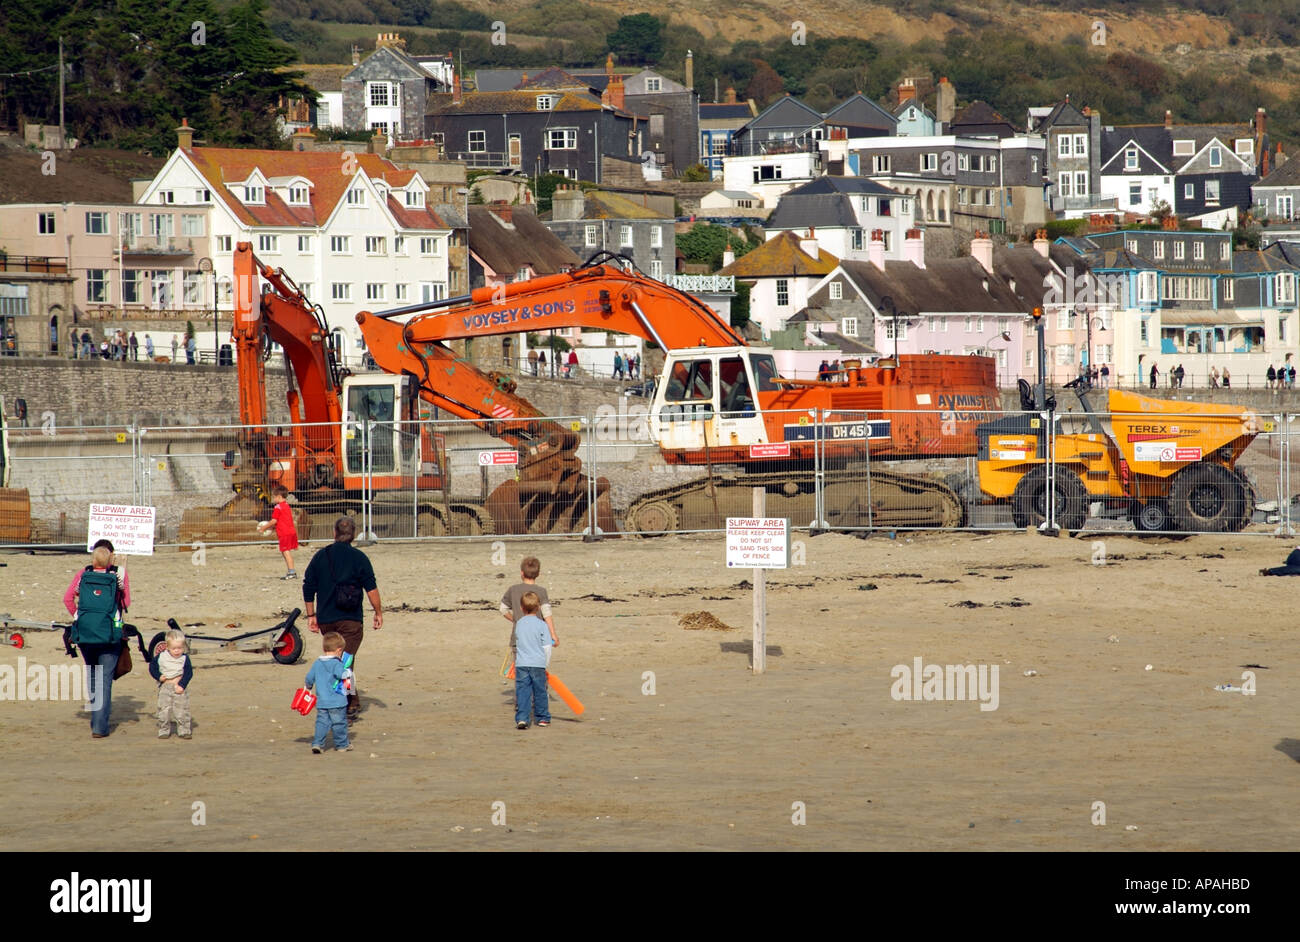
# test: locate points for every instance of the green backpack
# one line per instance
(99, 619)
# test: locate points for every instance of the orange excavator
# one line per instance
(719, 404)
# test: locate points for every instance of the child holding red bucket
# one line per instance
(331, 705)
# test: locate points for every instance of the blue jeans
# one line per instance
(530, 694)
(103, 656)
(335, 719)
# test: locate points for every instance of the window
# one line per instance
(767, 172)
(1283, 207)
(970, 323)
(1153, 196)
(895, 326)
(886, 235)
(97, 285)
(430, 246)
(656, 269)
(849, 326)
(224, 243)
(929, 162)
(562, 139)
(1211, 192)
(380, 126)
(1225, 250)
(1064, 354)
(1131, 245)
(1185, 288)
(1064, 319)
(45, 223)
(96, 223)
(1281, 329)
(1103, 352)
(1180, 251)
(545, 102)
(1135, 194)
(1158, 250)
(782, 292)
(477, 141)
(322, 114)
(356, 196)
(191, 224)
(1147, 282)
(1033, 164)
(374, 292)
(415, 199)
(252, 194)
(306, 287)
(589, 236)
(340, 245)
(979, 324)
(1284, 288)
(885, 208)
(653, 85)
(379, 97)
(993, 163)
(161, 226)
(190, 287)
(1216, 157)
(837, 294)
(304, 245)
(1189, 191)
(1244, 146)
(1144, 331)
(718, 146)
(1029, 357)
(1198, 251)
(1184, 148)
(1131, 159)
(169, 196)
(1229, 286)
(1063, 145)
(625, 236)
(882, 163)
(341, 291)
(961, 196)
(376, 245)
(1081, 183)
(399, 245)
(203, 196)
(1063, 184)
(401, 292)
(963, 161)
(270, 244)
(1081, 145)
(856, 239)
(131, 286)
(656, 237)
(298, 195)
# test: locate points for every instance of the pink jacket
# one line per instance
(70, 597)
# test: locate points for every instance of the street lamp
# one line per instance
(205, 266)
(889, 310)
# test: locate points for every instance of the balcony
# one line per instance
(38, 264)
(487, 159)
(702, 284)
(155, 246)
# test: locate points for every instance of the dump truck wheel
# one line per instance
(1153, 516)
(1207, 498)
(1030, 499)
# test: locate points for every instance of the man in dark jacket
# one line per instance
(336, 572)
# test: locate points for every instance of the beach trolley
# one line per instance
(283, 641)
(11, 629)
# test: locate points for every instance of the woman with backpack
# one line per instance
(97, 598)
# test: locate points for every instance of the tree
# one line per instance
(696, 173)
(740, 305)
(704, 244)
(766, 85)
(638, 38)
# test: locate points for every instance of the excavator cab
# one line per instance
(380, 433)
(709, 398)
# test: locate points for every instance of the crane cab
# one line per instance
(707, 399)
(382, 434)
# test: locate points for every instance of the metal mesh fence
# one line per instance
(623, 471)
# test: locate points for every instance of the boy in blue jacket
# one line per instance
(533, 647)
(331, 705)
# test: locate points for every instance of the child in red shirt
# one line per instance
(282, 522)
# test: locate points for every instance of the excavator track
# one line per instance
(854, 497)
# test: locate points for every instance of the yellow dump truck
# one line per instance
(1165, 465)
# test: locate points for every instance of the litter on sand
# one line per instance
(703, 621)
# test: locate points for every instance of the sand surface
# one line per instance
(717, 758)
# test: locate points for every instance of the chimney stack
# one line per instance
(613, 94)
(609, 66)
(356, 54)
(728, 257)
(690, 70)
(1169, 118)
(185, 135)
(809, 244)
(568, 202)
(1041, 245)
(502, 210)
(876, 249)
(945, 105)
(304, 140)
(914, 247)
(730, 97)
(378, 143)
(455, 88)
(981, 249)
(906, 90)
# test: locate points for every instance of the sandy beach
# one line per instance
(716, 758)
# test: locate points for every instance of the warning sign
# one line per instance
(758, 542)
(1187, 454)
(492, 458)
(774, 450)
(129, 529)
(1167, 452)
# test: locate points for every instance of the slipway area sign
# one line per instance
(758, 543)
(129, 529)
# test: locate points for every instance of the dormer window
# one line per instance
(1131, 159)
(1216, 157)
(298, 196)
(654, 85)
(545, 102)
(1245, 147)
(414, 199)
(254, 194)
(1184, 148)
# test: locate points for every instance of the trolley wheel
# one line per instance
(157, 645)
(288, 647)
(16, 640)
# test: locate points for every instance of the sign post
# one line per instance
(760, 543)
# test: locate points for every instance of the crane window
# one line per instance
(764, 371)
(690, 380)
(733, 385)
(375, 404)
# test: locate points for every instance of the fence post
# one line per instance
(593, 533)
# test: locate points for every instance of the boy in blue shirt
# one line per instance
(331, 705)
(532, 647)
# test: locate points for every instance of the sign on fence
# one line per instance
(758, 543)
(774, 450)
(129, 529)
(486, 458)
